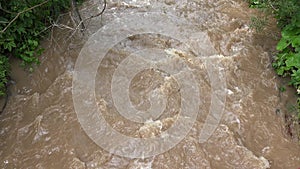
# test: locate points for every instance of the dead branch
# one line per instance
(100, 13)
(74, 5)
(55, 24)
(19, 13)
(86, 19)
(93, 16)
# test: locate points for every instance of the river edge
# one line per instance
(24, 87)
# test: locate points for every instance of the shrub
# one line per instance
(287, 61)
(22, 24)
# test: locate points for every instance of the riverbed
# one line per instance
(42, 128)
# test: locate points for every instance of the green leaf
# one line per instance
(30, 53)
(295, 41)
(281, 70)
(295, 78)
(9, 46)
(3, 20)
(33, 43)
(293, 61)
(282, 44)
(21, 30)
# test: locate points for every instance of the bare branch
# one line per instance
(55, 23)
(86, 19)
(93, 16)
(100, 12)
(18, 14)
(74, 5)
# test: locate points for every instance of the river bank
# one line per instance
(40, 129)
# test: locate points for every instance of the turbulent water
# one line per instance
(40, 128)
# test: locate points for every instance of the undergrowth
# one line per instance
(287, 61)
(22, 25)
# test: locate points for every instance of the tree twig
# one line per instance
(74, 5)
(93, 16)
(105, 4)
(84, 20)
(19, 13)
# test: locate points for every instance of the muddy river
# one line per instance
(178, 84)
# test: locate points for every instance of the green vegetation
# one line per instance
(22, 25)
(258, 23)
(287, 61)
(4, 71)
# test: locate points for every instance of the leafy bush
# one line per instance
(4, 68)
(22, 24)
(287, 62)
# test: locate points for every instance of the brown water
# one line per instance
(40, 129)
